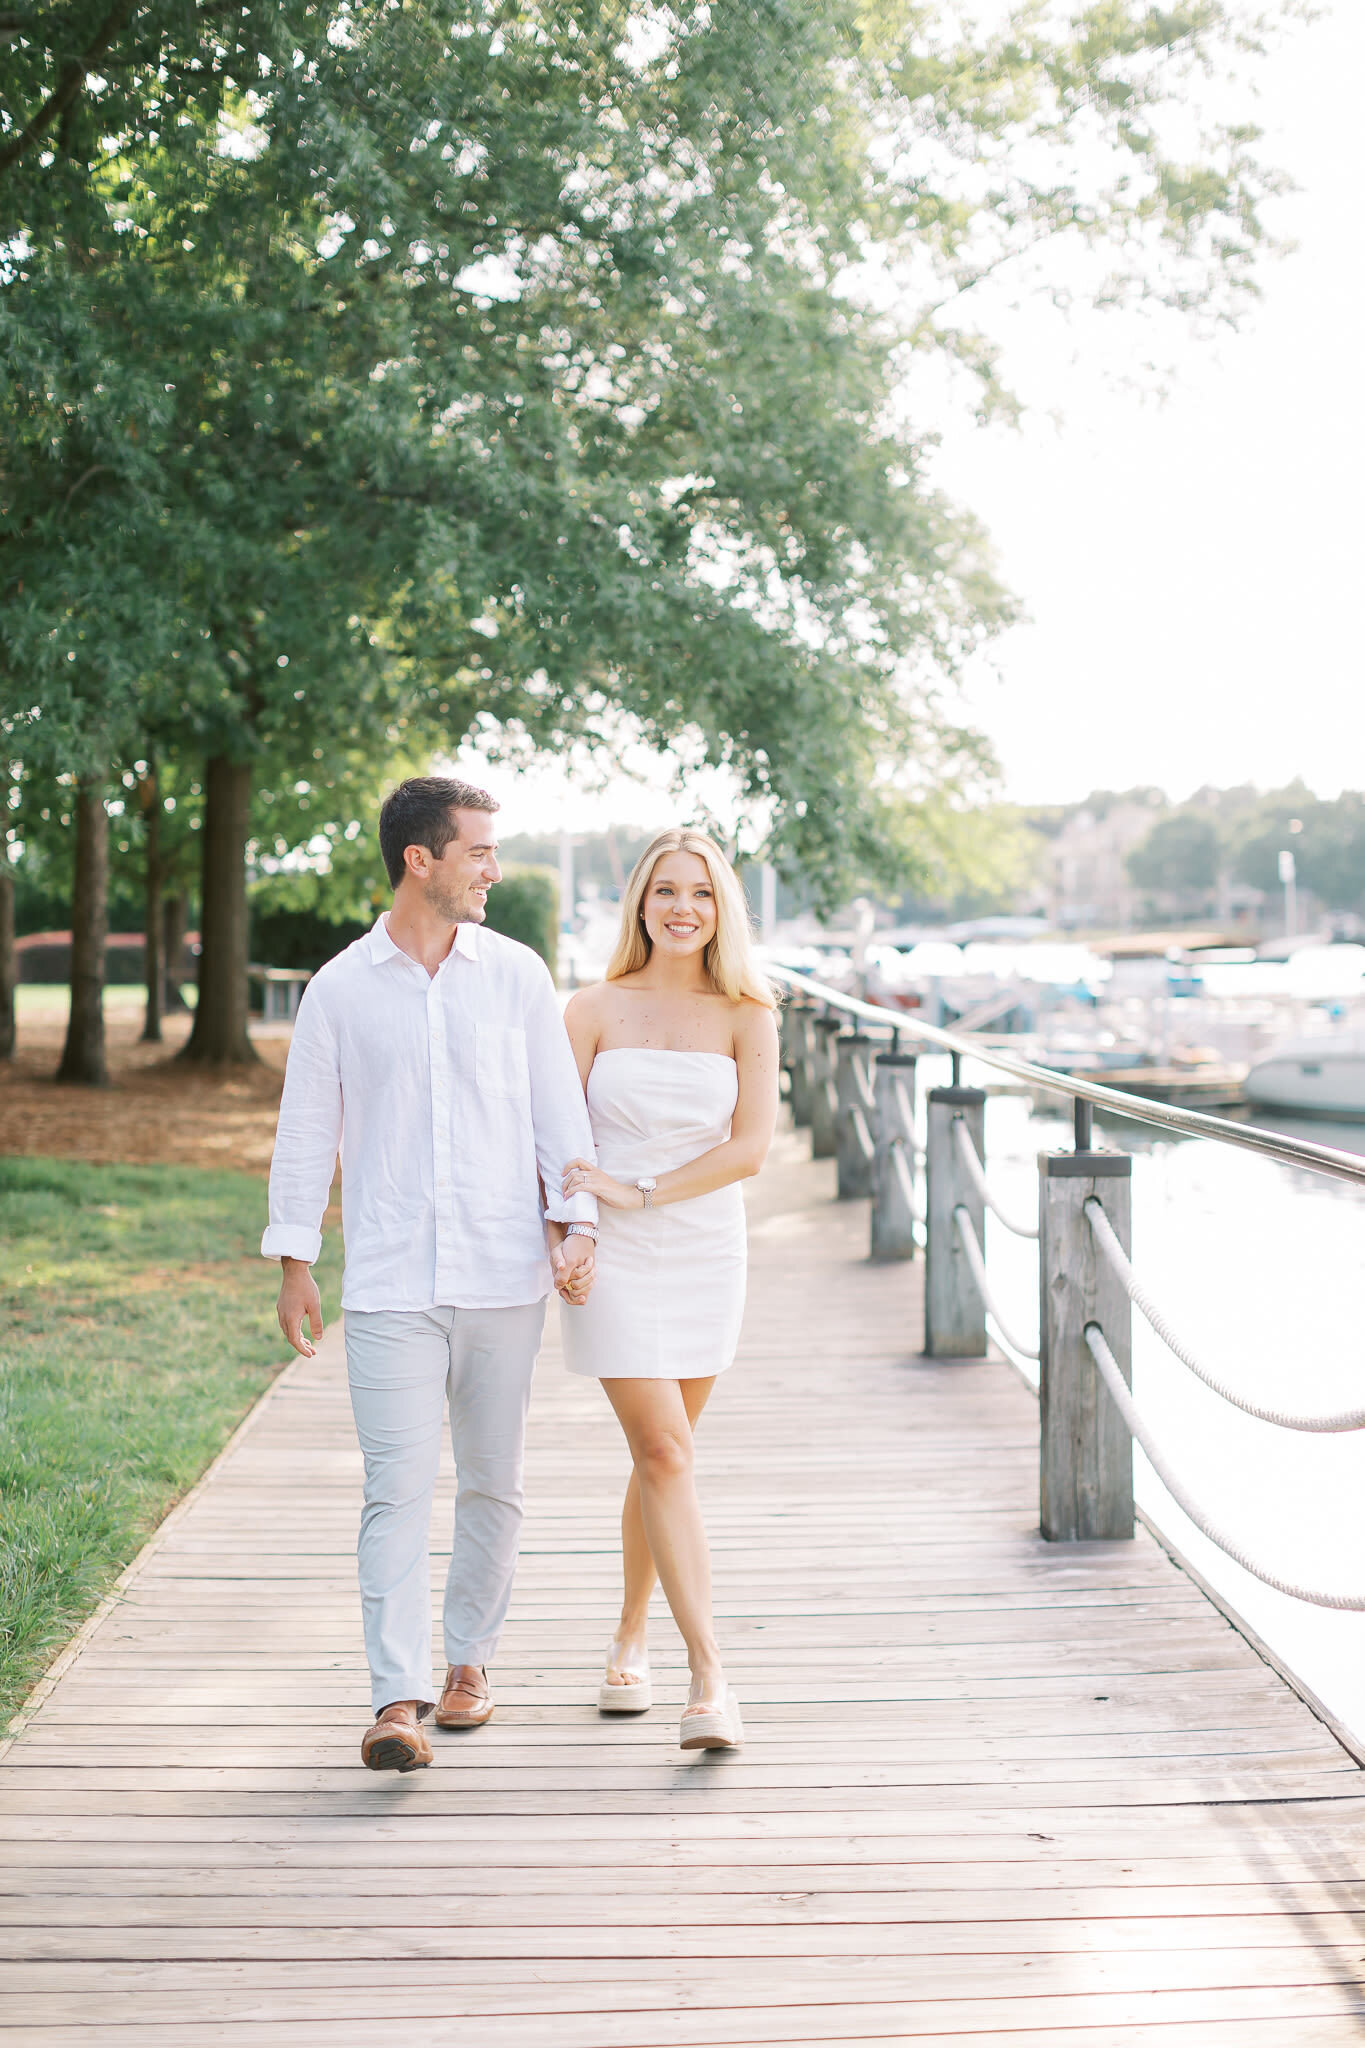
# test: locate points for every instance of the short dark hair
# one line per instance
(421, 812)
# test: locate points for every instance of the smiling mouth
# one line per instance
(682, 931)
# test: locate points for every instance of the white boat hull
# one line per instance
(1310, 1082)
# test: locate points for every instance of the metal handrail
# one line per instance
(1190, 1123)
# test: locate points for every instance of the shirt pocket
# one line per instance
(500, 1066)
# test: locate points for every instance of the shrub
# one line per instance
(525, 906)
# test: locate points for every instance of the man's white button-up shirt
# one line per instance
(444, 1094)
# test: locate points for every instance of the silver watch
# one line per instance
(581, 1230)
(647, 1187)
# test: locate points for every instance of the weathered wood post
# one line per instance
(893, 1220)
(853, 1134)
(824, 1103)
(1086, 1460)
(802, 1037)
(787, 1047)
(786, 1021)
(954, 1313)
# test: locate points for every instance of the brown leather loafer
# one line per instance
(466, 1701)
(397, 1741)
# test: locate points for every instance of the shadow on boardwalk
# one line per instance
(993, 1789)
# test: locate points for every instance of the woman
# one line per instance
(678, 1053)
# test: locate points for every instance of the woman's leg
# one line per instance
(658, 1427)
(638, 1560)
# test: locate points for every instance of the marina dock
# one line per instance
(994, 1789)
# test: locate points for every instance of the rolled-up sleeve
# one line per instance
(559, 1112)
(307, 1138)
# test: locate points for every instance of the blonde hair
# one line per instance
(729, 958)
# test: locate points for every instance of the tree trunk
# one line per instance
(151, 932)
(174, 917)
(7, 975)
(219, 1037)
(83, 1055)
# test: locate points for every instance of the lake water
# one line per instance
(1260, 1267)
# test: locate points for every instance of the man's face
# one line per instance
(457, 885)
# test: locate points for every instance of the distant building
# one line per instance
(1086, 881)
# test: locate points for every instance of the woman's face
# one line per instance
(680, 905)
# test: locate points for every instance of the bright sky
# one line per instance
(1191, 569)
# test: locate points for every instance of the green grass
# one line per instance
(137, 1326)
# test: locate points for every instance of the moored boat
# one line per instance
(1322, 1075)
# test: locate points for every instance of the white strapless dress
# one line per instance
(669, 1295)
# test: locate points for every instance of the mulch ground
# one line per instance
(154, 1112)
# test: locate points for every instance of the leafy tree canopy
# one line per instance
(1180, 854)
(377, 370)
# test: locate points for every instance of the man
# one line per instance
(434, 1057)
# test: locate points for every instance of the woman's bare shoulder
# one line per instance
(588, 1005)
(753, 1023)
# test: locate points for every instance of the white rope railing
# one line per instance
(966, 1231)
(911, 1200)
(976, 1173)
(905, 1112)
(1284, 1418)
(861, 1102)
(1113, 1379)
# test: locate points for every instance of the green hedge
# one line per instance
(525, 905)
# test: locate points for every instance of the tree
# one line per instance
(525, 905)
(7, 973)
(66, 746)
(1327, 839)
(517, 365)
(1333, 851)
(1180, 856)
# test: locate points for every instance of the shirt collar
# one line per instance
(381, 946)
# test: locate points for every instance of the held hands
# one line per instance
(573, 1267)
(299, 1299)
(581, 1177)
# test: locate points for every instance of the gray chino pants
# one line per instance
(405, 1367)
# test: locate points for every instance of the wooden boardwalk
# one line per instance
(994, 1791)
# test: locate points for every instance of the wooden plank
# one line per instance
(649, 1900)
(824, 2024)
(656, 1986)
(1186, 1886)
(388, 1937)
(1324, 1821)
(638, 1981)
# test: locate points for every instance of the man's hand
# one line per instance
(573, 1264)
(299, 1298)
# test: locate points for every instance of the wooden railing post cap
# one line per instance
(958, 1098)
(1086, 1165)
(829, 1024)
(897, 1059)
(857, 1038)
